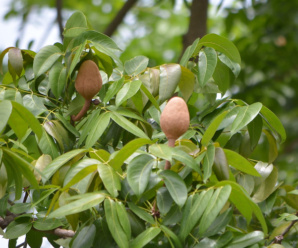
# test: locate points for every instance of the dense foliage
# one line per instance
(103, 177)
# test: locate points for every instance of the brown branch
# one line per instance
(197, 23)
(278, 239)
(63, 233)
(119, 17)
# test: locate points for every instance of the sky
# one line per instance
(42, 32)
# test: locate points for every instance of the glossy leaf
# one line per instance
(206, 65)
(142, 214)
(100, 125)
(209, 133)
(240, 163)
(169, 78)
(126, 151)
(192, 212)
(221, 166)
(138, 173)
(57, 79)
(273, 122)
(109, 178)
(5, 111)
(45, 58)
(208, 161)
(136, 65)
(164, 200)
(114, 224)
(127, 125)
(220, 44)
(145, 237)
(255, 130)
(175, 186)
(84, 202)
(245, 116)
(59, 162)
(245, 240)
(75, 25)
(222, 77)
(216, 203)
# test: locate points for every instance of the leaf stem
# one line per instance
(83, 111)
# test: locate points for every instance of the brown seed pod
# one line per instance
(88, 84)
(174, 121)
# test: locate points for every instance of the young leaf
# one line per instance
(84, 202)
(136, 65)
(145, 237)
(240, 163)
(109, 178)
(175, 185)
(45, 58)
(169, 78)
(138, 173)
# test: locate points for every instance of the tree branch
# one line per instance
(59, 17)
(63, 233)
(119, 17)
(197, 24)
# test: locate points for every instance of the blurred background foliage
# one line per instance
(264, 31)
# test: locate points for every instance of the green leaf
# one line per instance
(20, 208)
(78, 171)
(222, 77)
(47, 145)
(221, 166)
(57, 163)
(234, 66)
(187, 83)
(57, 79)
(141, 213)
(5, 111)
(126, 151)
(255, 130)
(245, 116)
(216, 203)
(22, 165)
(18, 228)
(75, 25)
(161, 151)
(244, 240)
(189, 52)
(109, 178)
(164, 200)
(101, 123)
(206, 65)
(273, 152)
(138, 173)
(240, 163)
(77, 51)
(208, 162)
(26, 116)
(113, 89)
(45, 224)
(85, 237)
(150, 97)
(85, 201)
(145, 237)
(192, 212)
(128, 90)
(185, 158)
(123, 219)
(45, 58)
(2, 56)
(114, 224)
(136, 65)
(175, 185)
(273, 122)
(15, 59)
(209, 133)
(67, 125)
(244, 203)
(172, 235)
(128, 126)
(34, 238)
(169, 78)
(34, 104)
(220, 44)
